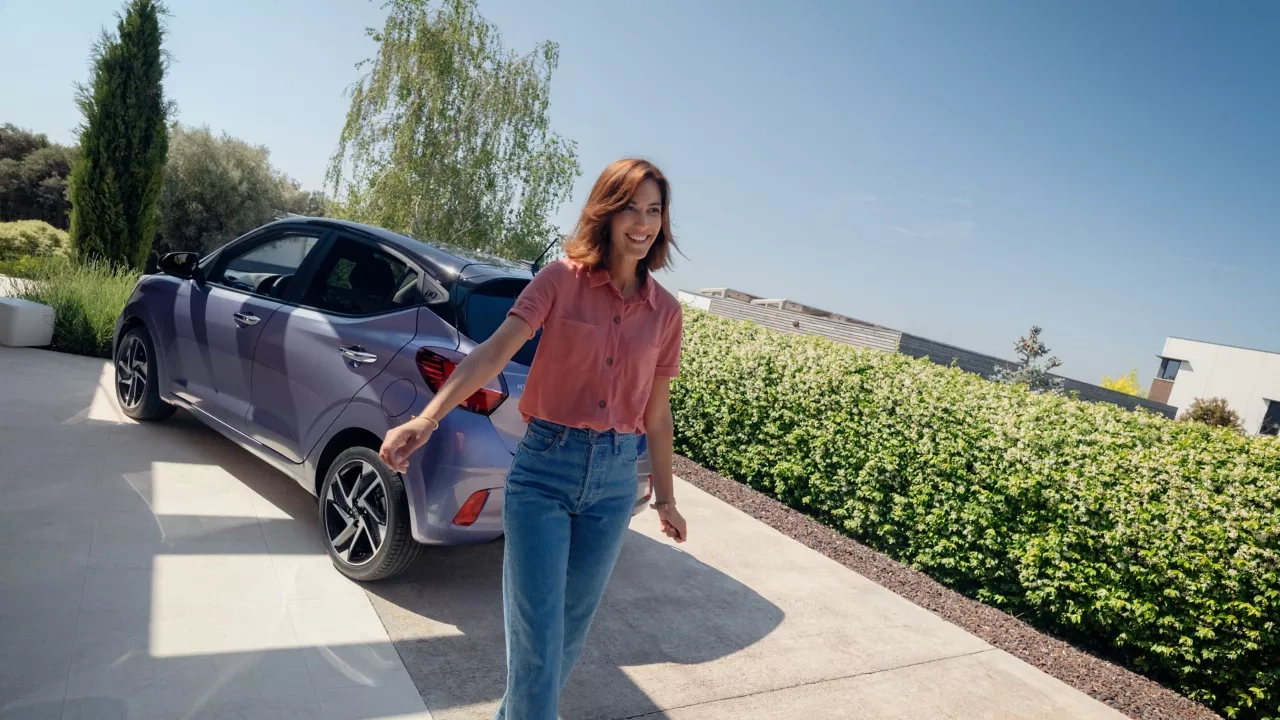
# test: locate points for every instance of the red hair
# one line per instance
(590, 242)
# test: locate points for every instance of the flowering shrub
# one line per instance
(1153, 541)
(1213, 411)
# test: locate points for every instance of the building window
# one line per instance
(1271, 421)
(1169, 369)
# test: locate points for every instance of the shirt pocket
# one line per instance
(578, 344)
(640, 362)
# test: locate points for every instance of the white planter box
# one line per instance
(24, 323)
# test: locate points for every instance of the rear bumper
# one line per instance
(433, 511)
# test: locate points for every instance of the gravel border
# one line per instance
(1132, 694)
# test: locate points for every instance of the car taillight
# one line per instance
(649, 493)
(436, 369)
(470, 509)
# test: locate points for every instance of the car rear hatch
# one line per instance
(482, 296)
(507, 419)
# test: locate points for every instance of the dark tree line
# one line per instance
(33, 177)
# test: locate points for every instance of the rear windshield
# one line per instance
(485, 307)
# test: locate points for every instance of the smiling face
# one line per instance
(626, 221)
(634, 228)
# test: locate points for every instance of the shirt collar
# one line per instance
(597, 277)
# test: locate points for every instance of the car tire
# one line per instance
(364, 517)
(138, 379)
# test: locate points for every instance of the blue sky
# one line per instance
(960, 170)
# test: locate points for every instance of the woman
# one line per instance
(600, 377)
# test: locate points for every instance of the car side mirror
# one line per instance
(185, 265)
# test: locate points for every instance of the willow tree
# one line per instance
(448, 137)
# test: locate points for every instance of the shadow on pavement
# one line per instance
(663, 607)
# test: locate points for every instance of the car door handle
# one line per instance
(356, 354)
(246, 319)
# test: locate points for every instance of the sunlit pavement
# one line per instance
(157, 571)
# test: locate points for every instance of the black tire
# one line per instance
(351, 480)
(138, 378)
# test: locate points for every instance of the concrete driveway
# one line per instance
(156, 571)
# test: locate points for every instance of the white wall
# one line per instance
(699, 301)
(1246, 378)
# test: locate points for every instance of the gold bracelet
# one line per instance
(663, 503)
(433, 421)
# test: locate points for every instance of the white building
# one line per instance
(1249, 380)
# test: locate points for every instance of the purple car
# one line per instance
(305, 340)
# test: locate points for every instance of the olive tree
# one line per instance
(217, 187)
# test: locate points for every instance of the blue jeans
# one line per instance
(568, 502)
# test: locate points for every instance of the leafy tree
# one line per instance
(217, 188)
(293, 199)
(1031, 369)
(1127, 384)
(33, 177)
(16, 143)
(448, 135)
(1213, 411)
(116, 184)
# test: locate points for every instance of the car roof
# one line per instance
(446, 262)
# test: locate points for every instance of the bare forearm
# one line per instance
(477, 368)
(660, 430)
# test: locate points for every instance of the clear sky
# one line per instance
(1106, 169)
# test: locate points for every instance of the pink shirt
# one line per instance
(595, 365)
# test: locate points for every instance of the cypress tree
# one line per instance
(115, 186)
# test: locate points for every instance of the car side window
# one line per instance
(356, 278)
(265, 269)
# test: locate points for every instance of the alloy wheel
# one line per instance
(131, 372)
(355, 516)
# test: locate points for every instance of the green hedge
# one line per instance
(1153, 541)
(87, 300)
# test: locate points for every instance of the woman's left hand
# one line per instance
(673, 525)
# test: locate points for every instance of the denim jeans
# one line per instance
(568, 501)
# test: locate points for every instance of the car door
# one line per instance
(219, 321)
(353, 314)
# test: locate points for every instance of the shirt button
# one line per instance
(608, 361)
(616, 319)
(602, 404)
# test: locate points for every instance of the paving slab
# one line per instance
(987, 685)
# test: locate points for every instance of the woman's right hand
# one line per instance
(402, 440)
